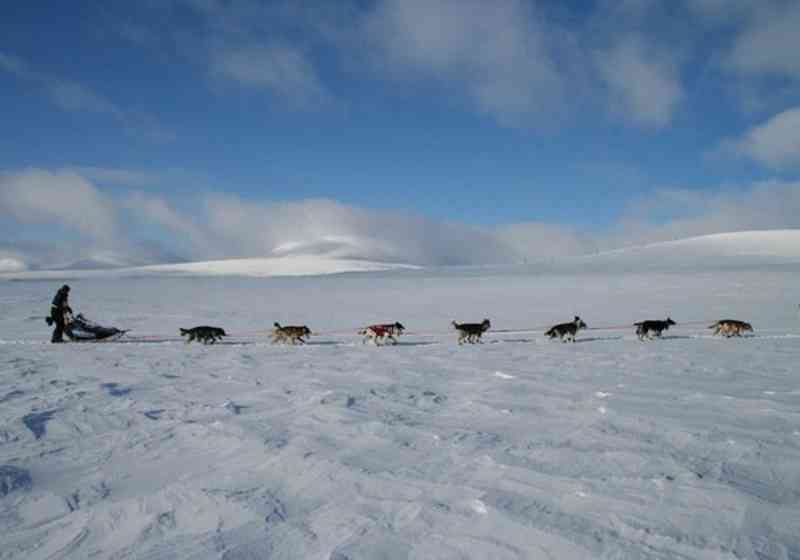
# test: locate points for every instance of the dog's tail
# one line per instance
(184, 332)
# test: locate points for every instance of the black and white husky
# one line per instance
(471, 332)
(567, 331)
(203, 333)
(650, 329)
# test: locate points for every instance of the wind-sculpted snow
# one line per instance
(13, 479)
(521, 447)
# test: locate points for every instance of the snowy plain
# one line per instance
(521, 447)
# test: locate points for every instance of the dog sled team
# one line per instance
(78, 328)
(470, 333)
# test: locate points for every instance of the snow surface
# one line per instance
(521, 447)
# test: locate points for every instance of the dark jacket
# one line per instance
(60, 301)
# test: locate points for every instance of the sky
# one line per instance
(435, 132)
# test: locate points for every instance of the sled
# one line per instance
(81, 329)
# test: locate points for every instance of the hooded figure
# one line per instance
(58, 310)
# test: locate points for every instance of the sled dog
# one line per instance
(290, 334)
(567, 331)
(471, 332)
(731, 327)
(204, 333)
(650, 329)
(382, 332)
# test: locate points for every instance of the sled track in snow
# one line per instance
(409, 340)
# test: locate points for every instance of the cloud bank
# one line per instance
(88, 226)
(774, 143)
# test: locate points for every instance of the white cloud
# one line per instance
(768, 45)
(11, 264)
(723, 11)
(498, 52)
(670, 214)
(11, 63)
(281, 69)
(775, 143)
(73, 96)
(348, 231)
(521, 63)
(643, 81)
(532, 241)
(116, 176)
(64, 198)
(156, 210)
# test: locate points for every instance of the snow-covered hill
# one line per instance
(298, 265)
(782, 243)
(736, 249)
(331, 255)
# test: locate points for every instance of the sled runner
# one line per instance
(81, 329)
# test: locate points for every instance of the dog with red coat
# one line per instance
(382, 333)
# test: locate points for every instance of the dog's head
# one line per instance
(305, 330)
(221, 332)
(399, 327)
(485, 324)
(747, 327)
(276, 324)
(670, 321)
(579, 324)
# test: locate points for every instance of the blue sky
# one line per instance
(188, 129)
